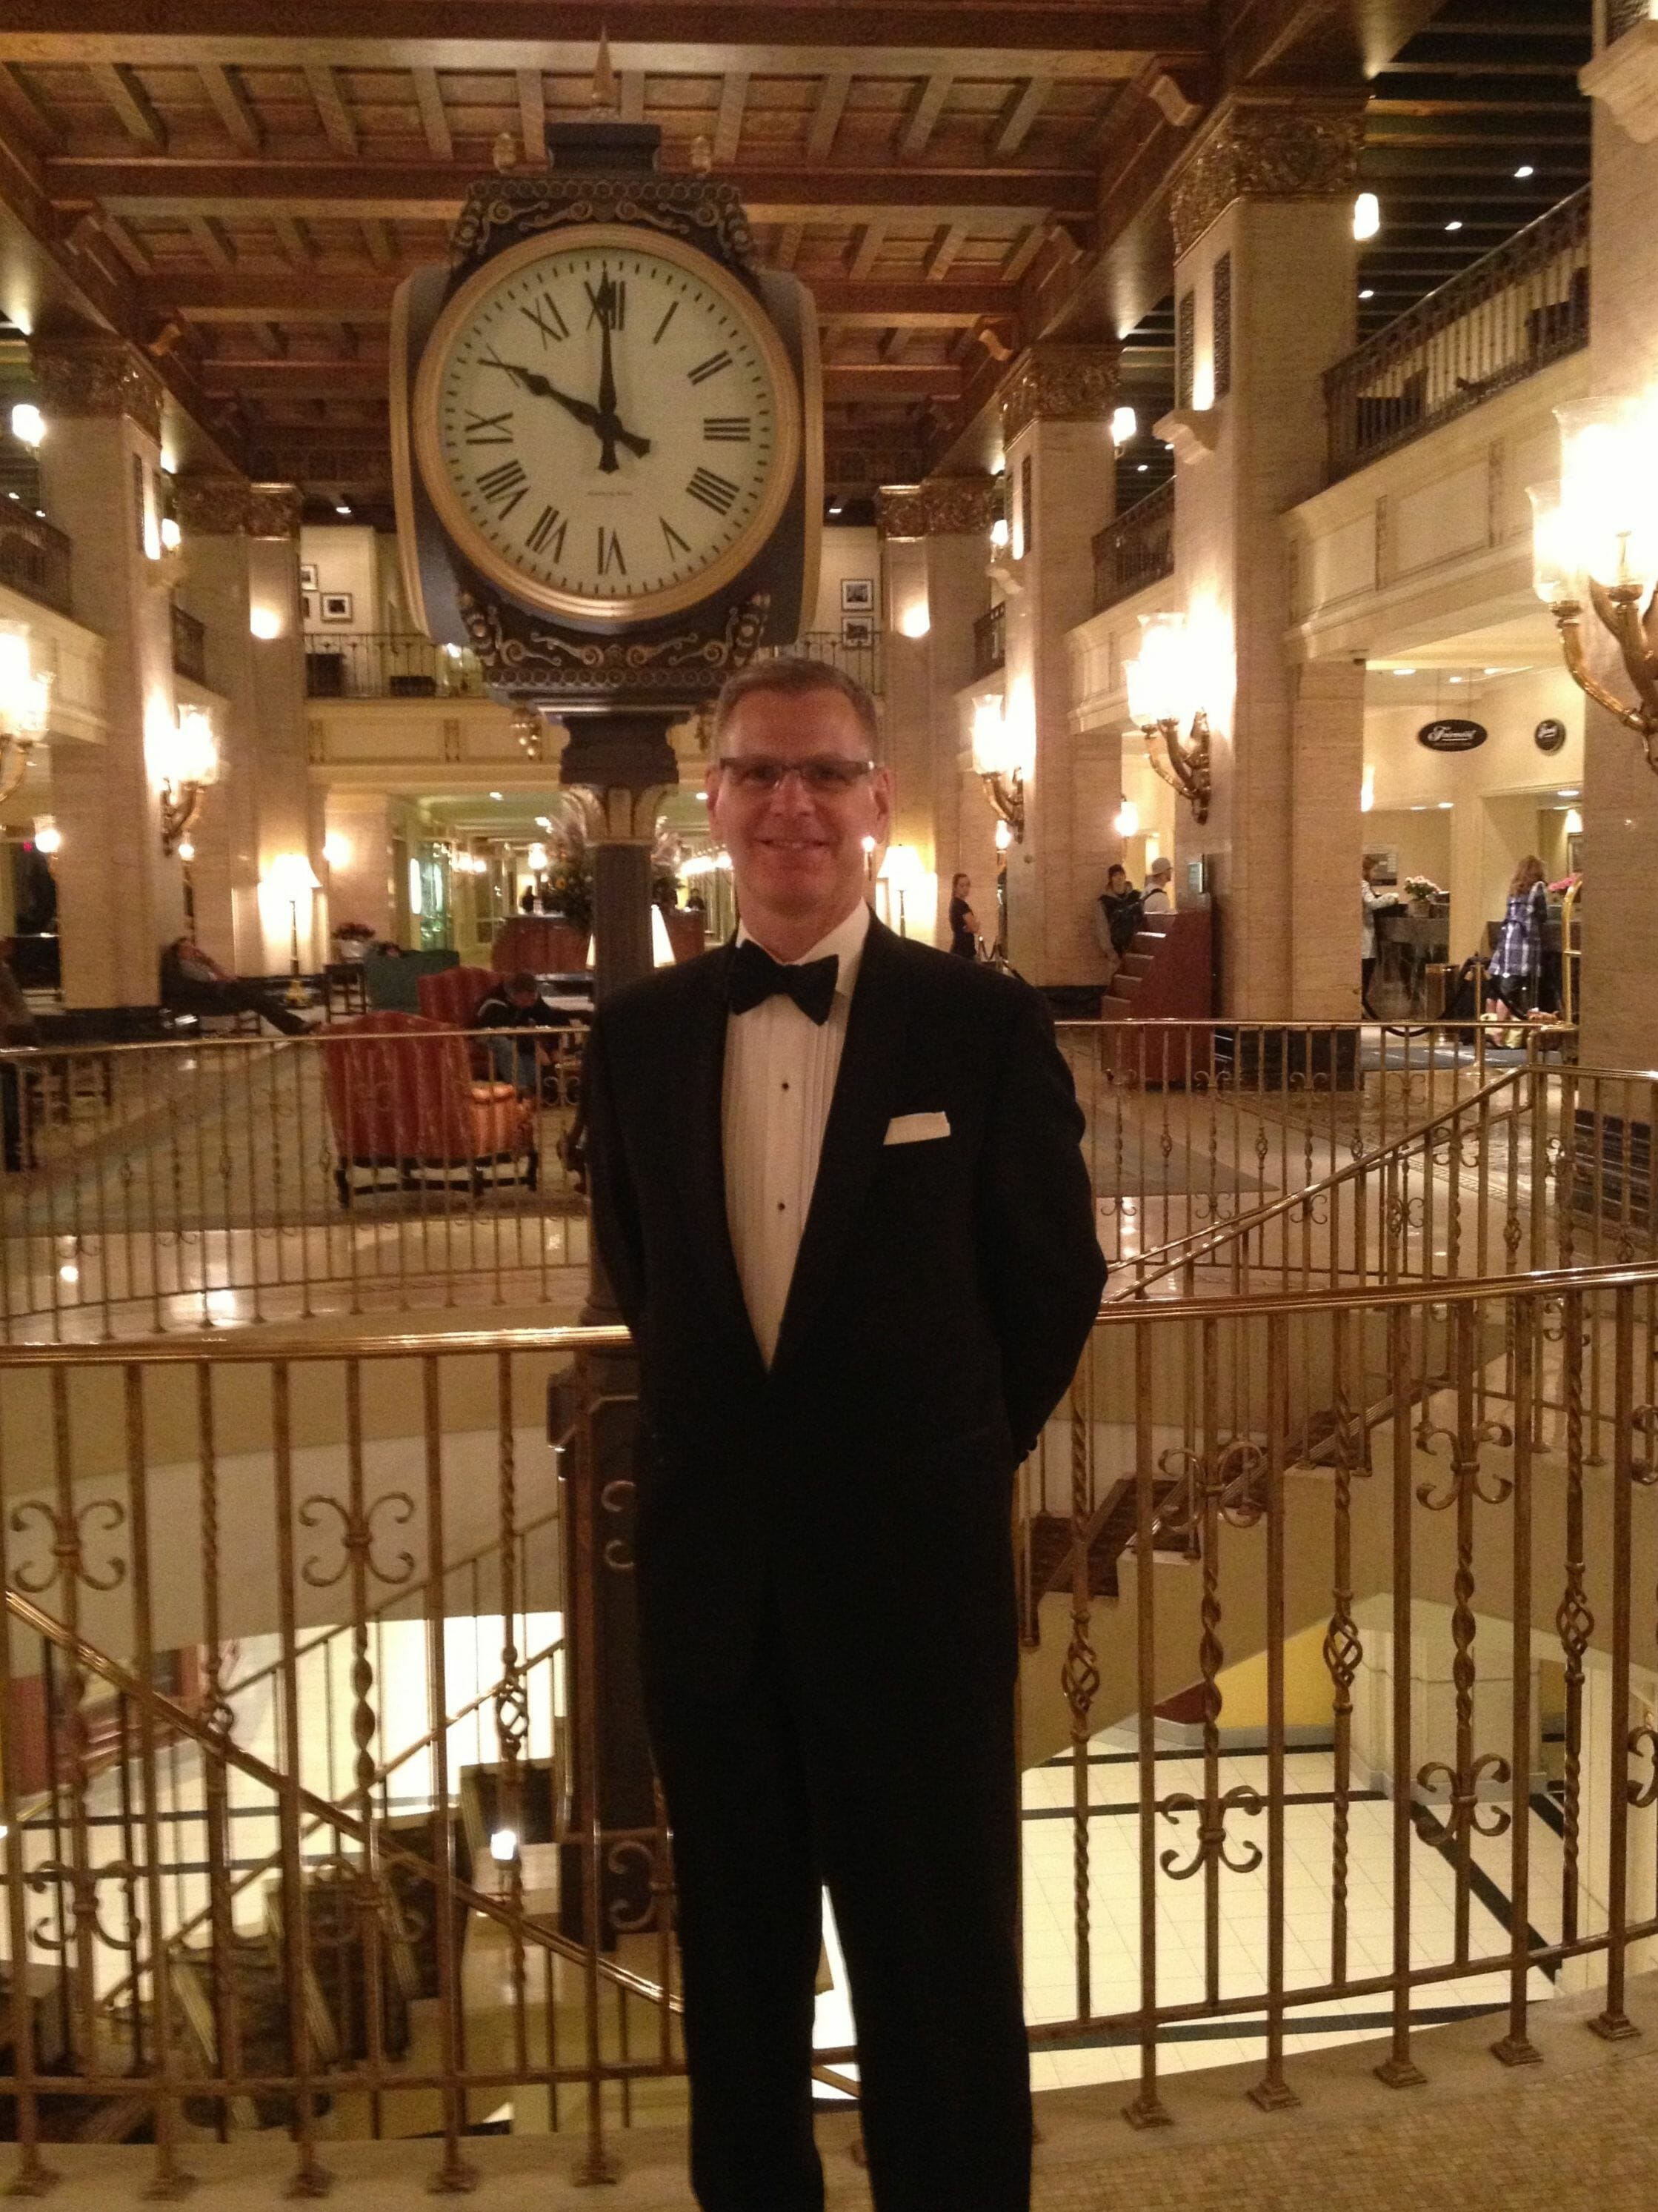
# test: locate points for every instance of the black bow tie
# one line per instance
(755, 976)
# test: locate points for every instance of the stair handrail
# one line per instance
(1208, 1240)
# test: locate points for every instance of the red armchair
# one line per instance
(453, 997)
(402, 1101)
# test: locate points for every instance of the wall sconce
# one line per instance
(190, 765)
(1163, 699)
(264, 624)
(1593, 535)
(996, 764)
(1124, 427)
(24, 706)
(28, 424)
(916, 619)
(1126, 822)
(48, 837)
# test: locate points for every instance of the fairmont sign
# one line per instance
(1451, 737)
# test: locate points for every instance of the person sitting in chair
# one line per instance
(192, 983)
(517, 1004)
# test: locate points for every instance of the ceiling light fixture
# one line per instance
(1367, 293)
(1367, 216)
(1525, 170)
(1454, 224)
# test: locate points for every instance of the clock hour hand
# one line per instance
(587, 415)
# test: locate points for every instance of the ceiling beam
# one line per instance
(676, 37)
(365, 296)
(871, 240)
(295, 377)
(20, 102)
(211, 242)
(826, 116)
(1024, 104)
(332, 111)
(728, 129)
(408, 189)
(296, 246)
(234, 108)
(925, 109)
(377, 237)
(434, 121)
(121, 87)
(941, 255)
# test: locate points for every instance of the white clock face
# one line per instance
(606, 426)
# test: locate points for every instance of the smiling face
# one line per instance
(797, 856)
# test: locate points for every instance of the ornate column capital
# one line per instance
(1271, 146)
(210, 507)
(1052, 382)
(942, 507)
(93, 374)
(274, 510)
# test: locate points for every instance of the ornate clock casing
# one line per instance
(607, 430)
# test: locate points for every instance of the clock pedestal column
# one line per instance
(609, 1868)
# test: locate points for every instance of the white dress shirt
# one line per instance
(781, 1069)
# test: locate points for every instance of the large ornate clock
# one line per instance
(607, 434)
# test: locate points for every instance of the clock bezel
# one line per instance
(641, 607)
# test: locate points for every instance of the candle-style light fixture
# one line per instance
(996, 764)
(24, 706)
(905, 877)
(1164, 699)
(189, 765)
(1594, 536)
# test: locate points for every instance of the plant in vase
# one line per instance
(1421, 892)
(566, 891)
(352, 939)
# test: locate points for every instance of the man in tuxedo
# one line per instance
(838, 1193)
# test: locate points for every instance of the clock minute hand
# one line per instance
(604, 307)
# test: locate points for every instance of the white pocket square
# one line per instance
(916, 1128)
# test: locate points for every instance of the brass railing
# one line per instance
(857, 657)
(196, 1184)
(1516, 310)
(1303, 1580)
(35, 558)
(1136, 550)
(388, 665)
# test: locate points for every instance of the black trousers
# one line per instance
(909, 1818)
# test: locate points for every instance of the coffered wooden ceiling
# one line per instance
(239, 185)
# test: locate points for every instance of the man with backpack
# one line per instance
(1117, 913)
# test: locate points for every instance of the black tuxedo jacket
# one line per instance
(943, 1294)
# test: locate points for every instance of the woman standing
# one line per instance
(1516, 968)
(963, 923)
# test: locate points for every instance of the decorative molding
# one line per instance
(274, 510)
(942, 507)
(1189, 432)
(526, 660)
(1624, 76)
(1269, 146)
(505, 209)
(80, 377)
(210, 507)
(1055, 383)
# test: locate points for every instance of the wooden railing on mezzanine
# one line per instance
(1136, 549)
(35, 558)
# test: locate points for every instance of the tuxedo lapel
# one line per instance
(854, 1135)
(701, 1152)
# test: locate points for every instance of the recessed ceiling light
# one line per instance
(1445, 806)
(1404, 671)
(1454, 225)
(1367, 293)
(341, 509)
(494, 794)
(1140, 467)
(1525, 170)
(1563, 792)
(1452, 679)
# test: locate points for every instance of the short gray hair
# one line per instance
(793, 676)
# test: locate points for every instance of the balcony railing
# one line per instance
(1136, 550)
(34, 559)
(1512, 312)
(385, 665)
(857, 658)
(189, 646)
(290, 1626)
(990, 641)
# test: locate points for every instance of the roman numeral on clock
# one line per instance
(548, 320)
(717, 492)
(507, 480)
(487, 429)
(733, 430)
(547, 528)
(711, 366)
(672, 537)
(607, 298)
(610, 553)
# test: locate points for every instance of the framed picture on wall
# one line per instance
(1385, 858)
(337, 606)
(856, 630)
(307, 575)
(858, 595)
(307, 607)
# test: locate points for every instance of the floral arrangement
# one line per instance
(1421, 887)
(354, 932)
(566, 891)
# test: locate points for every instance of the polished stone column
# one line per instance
(1056, 406)
(119, 899)
(1619, 805)
(1265, 303)
(935, 549)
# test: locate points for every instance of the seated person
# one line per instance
(516, 1003)
(192, 983)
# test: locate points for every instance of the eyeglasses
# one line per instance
(825, 775)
